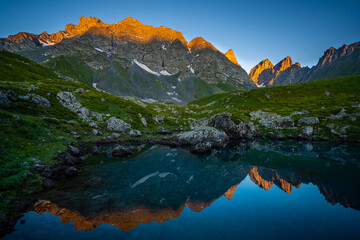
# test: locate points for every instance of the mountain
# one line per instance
(344, 61)
(129, 58)
(231, 56)
(255, 71)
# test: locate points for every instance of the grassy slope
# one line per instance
(344, 93)
(36, 136)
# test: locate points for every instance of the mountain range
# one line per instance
(129, 58)
(344, 61)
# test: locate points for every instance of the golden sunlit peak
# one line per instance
(199, 43)
(231, 56)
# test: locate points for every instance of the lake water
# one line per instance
(261, 190)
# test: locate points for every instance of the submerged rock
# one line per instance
(121, 151)
(202, 148)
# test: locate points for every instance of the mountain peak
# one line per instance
(231, 56)
(257, 70)
(199, 43)
(89, 22)
(284, 64)
(131, 21)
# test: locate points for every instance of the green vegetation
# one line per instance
(31, 131)
(310, 96)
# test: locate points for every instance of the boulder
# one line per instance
(216, 137)
(143, 121)
(121, 151)
(159, 119)
(275, 136)
(202, 148)
(71, 172)
(199, 123)
(278, 123)
(309, 120)
(303, 112)
(71, 160)
(263, 115)
(117, 125)
(93, 125)
(135, 133)
(95, 132)
(340, 115)
(36, 99)
(74, 151)
(7, 97)
(307, 131)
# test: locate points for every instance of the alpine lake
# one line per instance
(256, 190)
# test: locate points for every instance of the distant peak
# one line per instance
(131, 20)
(199, 44)
(297, 64)
(284, 64)
(231, 56)
(259, 68)
(90, 21)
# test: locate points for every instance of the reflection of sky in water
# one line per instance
(251, 213)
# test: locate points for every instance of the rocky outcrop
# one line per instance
(117, 125)
(36, 99)
(7, 97)
(212, 135)
(278, 123)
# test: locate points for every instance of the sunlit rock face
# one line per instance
(334, 63)
(259, 68)
(231, 56)
(117, 50)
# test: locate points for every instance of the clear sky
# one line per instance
(254, 29)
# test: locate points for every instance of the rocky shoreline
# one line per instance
(204, 136)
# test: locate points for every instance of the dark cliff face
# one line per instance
(110, 50)
(343, 61)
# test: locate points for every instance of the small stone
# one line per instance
(327, 93)
(307, 131)
(268, 96)
(95, 132)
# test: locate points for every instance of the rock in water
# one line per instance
(120, 151)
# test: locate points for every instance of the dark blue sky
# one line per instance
(255, 30)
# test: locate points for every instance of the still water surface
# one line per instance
(262, 190)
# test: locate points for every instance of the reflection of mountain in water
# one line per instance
(158, 185)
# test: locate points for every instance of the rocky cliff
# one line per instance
(129, 58)
(343, 61)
